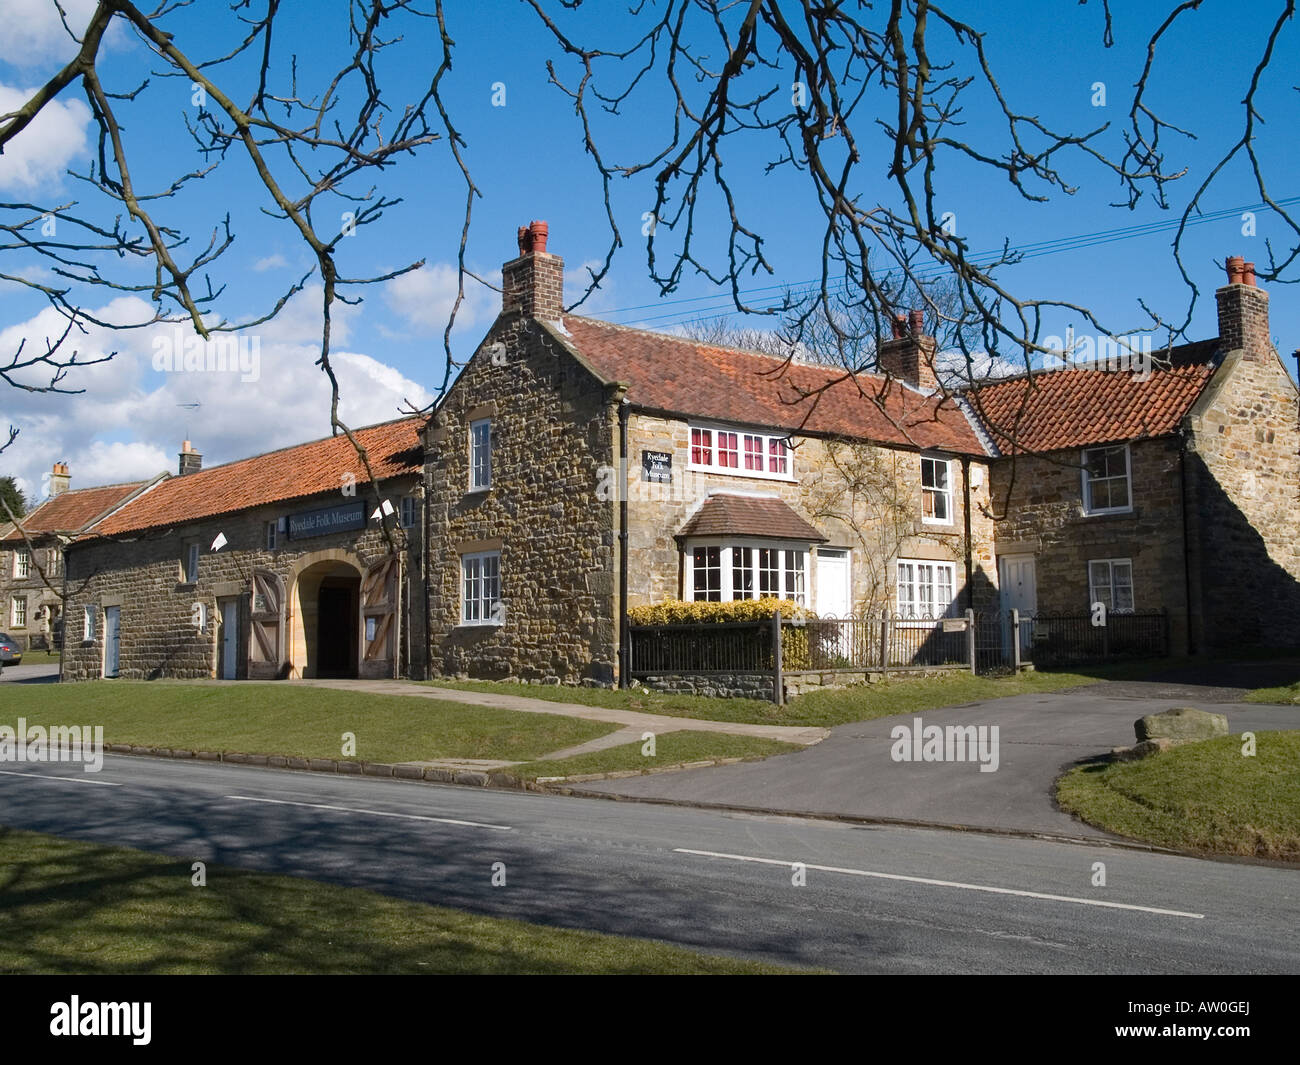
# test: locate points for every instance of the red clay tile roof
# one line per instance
(684, 377)
(725, 514)
(1074, 408)
(70, 511)
(394, 449)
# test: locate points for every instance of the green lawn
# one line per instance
(825, 708)
(674, 748)
(73, 907)
(1201, 796)
(285, 719)
(1288, 695)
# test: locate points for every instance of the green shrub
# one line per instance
(794, 639)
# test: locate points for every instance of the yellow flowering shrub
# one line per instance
(794, 639)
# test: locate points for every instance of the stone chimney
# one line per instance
(1243, 312)
(191, 460)
(909, 354)
(60, 478)
(533, 284)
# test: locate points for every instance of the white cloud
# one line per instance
(41, 152)
(129, 421)
(424, 298)
(35, 35)
(271, 262)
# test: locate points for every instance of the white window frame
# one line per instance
(1085, 480)
(764, 438)
(22, 564)
(88, 622)
(409, 512)
(944, 493)
(485, 449)
(54, 562)
(272, 535)
(483, 611)
(904, 608)
(191, 564)
(14, 618)
(788, 571)
(1110, 564)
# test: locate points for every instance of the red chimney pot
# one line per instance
(899, 326)
(539, 232)
(1248, 275)
(1236, 269)
(916, 320)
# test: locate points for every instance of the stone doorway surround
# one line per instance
(304, 581)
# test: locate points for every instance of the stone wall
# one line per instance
(47, 555)
(1244, 479)
(718, 685)
(144, 577)
(553, 430)
(1041, 497)
(823, 469)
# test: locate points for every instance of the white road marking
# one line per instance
(944, 883)
(372, 813)
(51, 776)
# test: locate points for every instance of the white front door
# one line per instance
(1019, 590)
(834, 592)
(112, 626)
(229, 638)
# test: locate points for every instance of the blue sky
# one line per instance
(528, 161)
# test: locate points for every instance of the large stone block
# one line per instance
(1182, 724)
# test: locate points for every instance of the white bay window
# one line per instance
(746, 569)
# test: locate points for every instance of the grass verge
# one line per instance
(294, 721)
(1286, 695)
(73, 907)
(1204, 797)
(672, 749)
(825, 708)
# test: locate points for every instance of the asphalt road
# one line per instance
(877, 899)
(852, 773)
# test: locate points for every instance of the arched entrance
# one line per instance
(327, 598)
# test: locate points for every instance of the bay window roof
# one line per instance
(735, 514)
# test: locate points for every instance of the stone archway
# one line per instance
(325, 640)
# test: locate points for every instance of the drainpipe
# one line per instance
(1187, 559)
(624, 409)
(965, 491)
(424, 564)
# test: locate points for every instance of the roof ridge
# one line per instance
(301, 443)
(825, 367)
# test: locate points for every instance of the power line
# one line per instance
(1029, 250)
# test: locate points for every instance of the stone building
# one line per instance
(31, 555)
(576, 469)
(287, 564)
(1176, 490)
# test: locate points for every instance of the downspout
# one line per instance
(424, 565)
(63, 606)
(624, 408)
(1187, 558)
(965, 491)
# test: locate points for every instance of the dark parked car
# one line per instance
(11, 651)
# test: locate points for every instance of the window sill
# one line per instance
(480, 624)
(749, 475)
(1125, 512)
